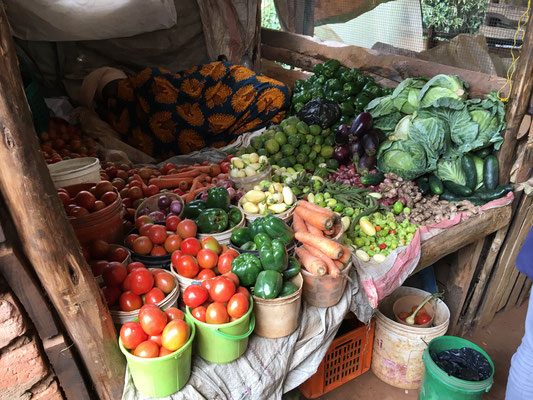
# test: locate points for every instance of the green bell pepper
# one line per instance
(268, 284)
(301, 97)
(361, 100)
(257, 227)
(293, 269)
(347, 108)
(249, 246)
(340, 72)
(332, 65)
(262, 238)
(247, 267)
(194, 208)
(276, 228)
(318, 69)
(234, 216)
(240, 236)
(333, 85)
(297, 107)
(212, 220)
(274, 256)
(287, 289)
(319, 82)
(372, 90)
(218, 197)
(339, 96)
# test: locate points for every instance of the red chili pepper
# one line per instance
(382, 246)
(392, 231)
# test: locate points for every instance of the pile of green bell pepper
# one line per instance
(261, 229)
(215, 214)
(350, 88)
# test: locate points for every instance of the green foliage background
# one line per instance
(269, 17)
(455, 16)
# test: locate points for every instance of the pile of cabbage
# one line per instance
(430, 124)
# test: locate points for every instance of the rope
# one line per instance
(512, 68)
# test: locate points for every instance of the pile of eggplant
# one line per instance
(358, 143)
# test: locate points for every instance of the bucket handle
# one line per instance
(238, 337)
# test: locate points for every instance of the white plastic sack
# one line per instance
(70, 20)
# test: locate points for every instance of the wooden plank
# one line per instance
(518, 104)
(276, 71)
(526, 164)
(515, 293)
(526, 292)
(494, 32)
(392, 67)
(456, 237)
(511, 12)
(524, 126)
(510, 282)
(47, 237)
(459, 280)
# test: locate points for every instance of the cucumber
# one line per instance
(372, 179)
(469, 169)
(457, 189)
(489, 195)
(475, 200)
(483, 152)
(435, 184)
(423, 185)
(490, 172)
(448, 196)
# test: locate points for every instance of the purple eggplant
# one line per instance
(356, 150)
(343, 134)
(366, 163)
(361, 124)
(341, 154)
(379, 134)
(370, 144)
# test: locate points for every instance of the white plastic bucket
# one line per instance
(398, 349)
(182, 281)
(75, 171)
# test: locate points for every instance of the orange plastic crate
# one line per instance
(348, 357)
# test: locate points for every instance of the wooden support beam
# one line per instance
(515, 293)
(524, 295)
(276, 71)
(47, 237)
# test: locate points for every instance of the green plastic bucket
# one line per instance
(437, 384)
(162, 376)
(221, 344)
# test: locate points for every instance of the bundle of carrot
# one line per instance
(319, 254)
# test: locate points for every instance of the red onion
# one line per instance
(175, 207)
(163, 202)
(157, 216)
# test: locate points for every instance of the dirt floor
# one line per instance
(500, 340)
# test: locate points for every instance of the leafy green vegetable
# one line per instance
(451, 170)
(405, 158)
(405, 96)
(489, 114)
(442, 86)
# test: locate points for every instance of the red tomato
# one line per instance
(64, 197)
(173, 313)
(135, 191)
(142, 281)
(85, 199)
(152, 319)
(224, 167)
(422, 319)
(132, 334)
(244, 291)
(199, 313)
(102, 187)
(78, 212)
(165, 282)
(222, 289)
(98, 205)
(126, 283)
(98, 267)
(190, 246)
(119, 254)
(143, 219)
(209, 242)
(158, 250)
(237, 305)
(156, 271)
(130, 239)
(206, 283)
(216, 313)
(111, 295)
(194, 295)
(403, 315)
(172, 222)
(233, 252)
(224, 263)
(151, 190)
(175, 256)
(172, 243)
(156, 339)
(129, 301)
(186, 229)
(175, 334)
(99, 249)
(135, 265)
(109, 197)
(157, 234)
(114, 273)
(207, 258)
(231, 276)
(187, 266)
(154, 296)
(205, 273)
(164, 352)
(142, 245)
(146, 349)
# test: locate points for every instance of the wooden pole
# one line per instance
(47, 237)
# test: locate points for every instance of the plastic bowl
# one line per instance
(406, 304)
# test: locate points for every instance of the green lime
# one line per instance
(315, 130)
(304, 149)
(319, 140)
(281, 138)
(290, 130)
(312, 155)
(301, 137)
(309, 165)
(257, 142)
(326, 152)
(332, 163)
(309, 139)
(287, 150)
(298, 167)
(276, 178)
(284, 123)
(329, 141)
(250, 149)
(319, 160)
(326, 132)
(302, 127)
(273, 127)
(301, 158)
(278, 156)
(262, 152)
(294, 140)
(317, 148)
(284, 162)
(271, 160)
(292, 159)
(269, 134)
(293, 120)
(240, 152)
(272, 146)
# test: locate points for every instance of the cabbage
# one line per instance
(401, 131)
(489, 114)
(405, 96)
(442, 86)
(451, 170)
(405, 158)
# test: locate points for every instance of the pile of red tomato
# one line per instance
(89, 201)
(99, 253)
(159, 240)
(133, 286)
(157, 334)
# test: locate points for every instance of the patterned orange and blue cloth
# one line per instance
(164, 114)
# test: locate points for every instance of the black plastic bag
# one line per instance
(320, 112)
(466, 363)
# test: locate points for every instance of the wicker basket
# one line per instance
(151, 203)
(284, 216)
(223, 237)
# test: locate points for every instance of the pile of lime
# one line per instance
(295, 144)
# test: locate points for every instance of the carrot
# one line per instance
(169, 183)
(317, 219)
(196, 184)
(311, 263)
(199, 190)
(313, 230)
(314, 207)
(346, 255)
(327, 246)
(332, 268)
(298, 224)
(185, 174)
(184, 185)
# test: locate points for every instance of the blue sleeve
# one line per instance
(524, 260)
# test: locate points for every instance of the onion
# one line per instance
(157, 216)
(144, 211)
(231, 192)
(203, 196)
(163, 202)
(175, 207)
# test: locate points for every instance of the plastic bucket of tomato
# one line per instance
(162, 376)
(224, 343)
